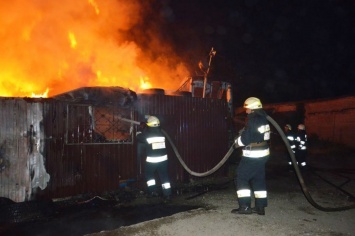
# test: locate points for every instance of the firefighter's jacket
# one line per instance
(301, 140)
(291, 137)
(154, 141)
(256, 135)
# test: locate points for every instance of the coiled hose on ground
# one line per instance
(294, 163)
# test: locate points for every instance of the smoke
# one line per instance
(63, 45)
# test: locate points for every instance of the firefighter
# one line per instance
(156, 157)
(250, 173)
(301, 146)
(291, 140)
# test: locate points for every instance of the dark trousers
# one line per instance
(250, 175)
(301, 156)
(161, 168)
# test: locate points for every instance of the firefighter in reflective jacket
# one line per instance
(157, 158)
(250, 173)
(301, 146)
(291, 140)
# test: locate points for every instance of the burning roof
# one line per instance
(99, 96)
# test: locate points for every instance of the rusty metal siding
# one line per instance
(197, 126)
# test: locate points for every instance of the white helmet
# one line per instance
(153, 121)
(301, 127)
(288, 126)
(253, 103)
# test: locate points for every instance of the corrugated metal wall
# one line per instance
(332, 120)
(198, 127)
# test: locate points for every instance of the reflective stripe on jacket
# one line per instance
(301, 140)
(155, 144)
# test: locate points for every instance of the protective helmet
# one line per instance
(153, 121)
(301, 127)
(253, 103)
(288, 126)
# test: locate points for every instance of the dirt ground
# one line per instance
(203, 206)
(331, 184)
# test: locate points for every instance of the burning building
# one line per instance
(69, 71)
(76, 142)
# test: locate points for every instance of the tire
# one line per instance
(154, 91)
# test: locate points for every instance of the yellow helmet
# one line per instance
(253, 103)
(153, 121)
(288, 126)
(301, 127)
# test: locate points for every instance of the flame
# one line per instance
(58, 46)
(72, 39)
(43, 95)
(145, 83)
(95, 6)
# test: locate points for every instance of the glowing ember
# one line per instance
(58, 46)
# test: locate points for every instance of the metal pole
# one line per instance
(130, 121)
(212, 53)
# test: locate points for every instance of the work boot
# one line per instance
(246, 210)
(259, 210)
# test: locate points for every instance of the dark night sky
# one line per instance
(278, 51)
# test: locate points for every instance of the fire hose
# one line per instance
(299, 175)
(204, 174)
(214, 169)
(230, 151)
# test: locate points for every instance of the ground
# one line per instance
(203, 207)
(289, 212)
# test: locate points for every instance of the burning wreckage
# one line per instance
(79, 142)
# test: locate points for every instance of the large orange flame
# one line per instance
(50, 47)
